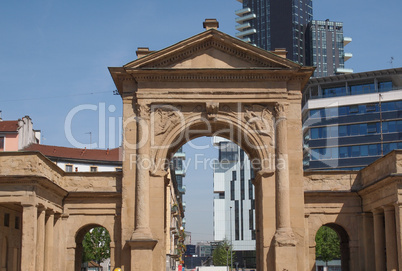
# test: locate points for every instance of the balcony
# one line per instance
(347, 56)
(240, 27)
(248, 17)
(248, 40)
(343, 71)
(246, 33)
(346, 40)
(180, 155)
(242, 11)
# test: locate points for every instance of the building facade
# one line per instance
(289, 24)
(271, 24)
(349, 121)
(326, 50)
(234, 204)
(17, 134)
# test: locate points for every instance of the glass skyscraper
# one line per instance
(271, 24)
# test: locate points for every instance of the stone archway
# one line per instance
(213, 84)
(79, 238)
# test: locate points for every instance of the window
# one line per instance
(1, 143)
(227, 152)
(6, 220)
(69, 168)
(373, 149)
(370, 107)
(17, 222)
(119, 169)
(364, 150)
(343, 152)
(343, 130)
(232, 190)
(371, 127)
(94, 169)
(355, 151)
(353, 109)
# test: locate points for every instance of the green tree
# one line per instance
(96, 245)
(327, 245)
(221, 254)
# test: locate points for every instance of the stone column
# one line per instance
(398, 218)
(368, 242)
(390, 238)
(29, 232)
(49, 240)
(142, 229)
(40, 243)
(379, 240)
(285, 252)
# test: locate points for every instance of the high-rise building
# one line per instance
(289, 24)
(271, 24)
(234, 205)
(326, 50)
(351, 120)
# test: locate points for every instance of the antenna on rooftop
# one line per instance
(90, 138)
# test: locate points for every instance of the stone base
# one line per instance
(141, 254)
(285, 251)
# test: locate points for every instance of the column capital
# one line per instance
(143, 111)
(378, 211)
(389, 208)
(280, 110)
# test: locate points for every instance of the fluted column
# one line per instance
(40, 243)
(379, 240)
(49, 239)
(283, 227)
(29, 232)
(390, 238)
(142, 229)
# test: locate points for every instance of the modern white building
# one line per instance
(234, 205)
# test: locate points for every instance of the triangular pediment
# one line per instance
(212, 49)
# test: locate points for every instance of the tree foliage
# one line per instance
(96, 245)
(327, 245)
(221, 254)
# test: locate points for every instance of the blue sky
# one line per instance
(54, 57)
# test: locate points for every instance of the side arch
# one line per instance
(79, 237)
(344, 242)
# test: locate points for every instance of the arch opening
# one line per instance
(332, 248)
(92, 248)
(231, 204)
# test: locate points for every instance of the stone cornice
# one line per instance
(32, 180)
(214, 75)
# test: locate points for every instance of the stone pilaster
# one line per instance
(285, 243)
(49, 240)
(379, 240)
(142, 229)
(40, 242)
(390, 238)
